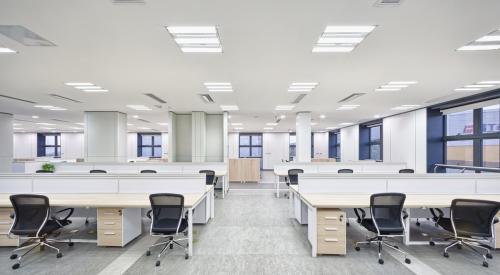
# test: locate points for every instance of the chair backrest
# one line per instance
(345, 171)
(97, 171)
(293, 175)
(406, 171)
(473, 216)
(387, 206)
(210, 176)
(148, 171)
(166, 206)
(31, 213)
(43, 171)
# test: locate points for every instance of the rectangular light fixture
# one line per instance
(302, 87)
(395, 86)
(331, 128)
(219, 87)
(405, 107)
(162, 123)
(346, 123)
(267, 128)
(467, 89)
(238, 128)
(284, 107)
(490, 41)
(496, 82)
(196, 39)
(229, 107)
(96, 91)
(347, 107)
(143, 128)
(79, 84)
(387, 89)
(402, 82)
(45, 124)
(6, 50)
(478, 86)
(236, 124)
(341, 39)
(139, 107)
(87, 87)
(50, 107)
(271, 124)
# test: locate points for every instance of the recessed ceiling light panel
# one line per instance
(219, 87)
(302, 87)
(341, 39)
(395, 86)
(196, 39)
(284, 107)
(491, 41)
(229, 107)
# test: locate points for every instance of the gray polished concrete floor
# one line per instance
(251, 234)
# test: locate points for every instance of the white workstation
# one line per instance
(257, 137)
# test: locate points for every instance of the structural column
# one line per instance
(303, 136)
(199, 137)
(6, 142)
(105, 136)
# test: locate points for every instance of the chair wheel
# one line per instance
(357, 248)
(489, 256)
(485, 264)
(417, 223)
(71, 244)
(15, 266)
(171, 246)
(459, 246)
(86, 222)
(59, 255)
(431, 243)
(397, 247)
(13, 256)
(347, 224)
(157, 263)
(408, 261)
(186, 256)
(381, 261)
(446, 255)
(148, 253)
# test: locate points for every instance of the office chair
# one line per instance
(169, 219)
(148, 171)
(33, 220)
(210, 178)
(345, 171)
(407, 171)
(386, 221)
(43, 171)
(97, 171)
(471, 221)
(293, 177)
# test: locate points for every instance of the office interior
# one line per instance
(261, 137)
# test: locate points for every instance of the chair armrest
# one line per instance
(148, 214)
(439, 215)
(405, 214)
(216, 179)
(363, 214)
(70, 212)
(495, 220)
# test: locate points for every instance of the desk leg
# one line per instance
(224, 186)
(190, 232)
(408, 227)
(212, 204)
(277, 182)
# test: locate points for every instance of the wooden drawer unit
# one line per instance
(331, 231)
(117, 226)
(109, 213)
(106, 237)
(5, 224)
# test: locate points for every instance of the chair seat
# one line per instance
(49, 227)
(386, 227)
(169, 226)
(464, 229)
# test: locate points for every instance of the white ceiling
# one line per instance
(267, 46)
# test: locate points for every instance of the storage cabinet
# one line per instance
(117, 226)
(244, 170)
(331, 231)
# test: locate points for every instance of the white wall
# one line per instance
(214, 138)
(275, 149)
(349, 143)
(132, 145)
(320, 145)
(405, 139)
(71, 145)
(183, 138)
(24, 145)
(233, 145)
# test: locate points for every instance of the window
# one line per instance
(472, 137)
(371, 141)
(292, 140)
(149, 145)
(49, 145)
(250, 145)
(375, 142)
(334, 145)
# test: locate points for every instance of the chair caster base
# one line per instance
(59, 255)
(408, 261)
(13, 256)
(397, 247)
(148, 253)
(459, 246)
(186, 256)
(489, 256)
(380, 261)
(431, 243)
(16, 266)
(357, 248)
(446, 255)
(485, 264)
(157, 263)
(71, 244)
(417, 223)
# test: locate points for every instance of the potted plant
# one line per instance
(48, 167)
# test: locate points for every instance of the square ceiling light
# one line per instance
(219, 87)
(302, 87)
(341, 39)
(196, 39)
(491, 41)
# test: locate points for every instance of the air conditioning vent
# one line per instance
(207, 98)
(299, 98)
(387, 3)
(351, 97)
(154, 97)
(143, 120)
(65, 98)
(61, 120)
(18, 99)
(24, 36)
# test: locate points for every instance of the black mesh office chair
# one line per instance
(168, 220)
(471, 223)
(97, 171)
(148, 171)
(386, 221)
(293, 177)
(210, 178)
(33, 221)
(345, 171)
(407, 171)
(44, 171)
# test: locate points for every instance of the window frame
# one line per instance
(375, 142)
(153, 145)
(290, 146)
(334, 145)
(42, 148)
(250, 146)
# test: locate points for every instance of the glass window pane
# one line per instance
(375, 152)
(257, 152)
(338, 139)
(293, 140)
(459, 152)
(157, 152)
(50, 140)
(256, 140)
(147, 151)
(244, 140)
(491, 119)
(147, 139)
(460, 123)
(50, 151)
(244, 152)
(491, 153)
(375, 133)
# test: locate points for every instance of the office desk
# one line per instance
(123, 207)
(322, 202)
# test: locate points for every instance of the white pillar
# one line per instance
(199, 137)
(225, 136)
(105, 136)
(6, 142)
(172, 141)
(303, 136)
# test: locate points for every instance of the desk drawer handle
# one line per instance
(109, 233)
(330, 218)
(331, 240)
(331, 229)
(109, 223)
